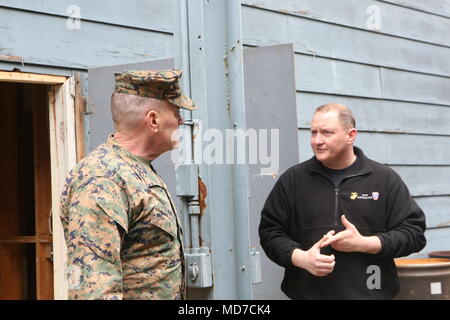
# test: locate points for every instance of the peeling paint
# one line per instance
(296, 12)
(203, 193)
(10, 58)
(314, 53)
(225, 61)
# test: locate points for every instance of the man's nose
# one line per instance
(317, 139)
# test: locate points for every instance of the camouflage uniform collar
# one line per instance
(143, 167)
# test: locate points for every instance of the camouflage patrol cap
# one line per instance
(160, 84)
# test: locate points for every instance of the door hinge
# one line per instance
(256, 265)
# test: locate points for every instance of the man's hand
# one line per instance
(313, 261)
(350, 240)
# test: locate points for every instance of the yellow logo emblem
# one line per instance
(354, 195)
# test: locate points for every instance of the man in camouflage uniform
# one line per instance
(122, 231)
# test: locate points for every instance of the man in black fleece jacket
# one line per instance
(337, 221)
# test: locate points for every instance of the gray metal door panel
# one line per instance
(270, 102)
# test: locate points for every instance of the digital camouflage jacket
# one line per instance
(123, 234)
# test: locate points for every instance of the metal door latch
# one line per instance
(199, 268)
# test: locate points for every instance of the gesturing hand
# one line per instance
(313, 261)
(350, 240)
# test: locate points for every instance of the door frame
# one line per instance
(63, 155)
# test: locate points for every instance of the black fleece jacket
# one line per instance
(304, 205)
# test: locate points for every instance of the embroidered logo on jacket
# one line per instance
(365, 196)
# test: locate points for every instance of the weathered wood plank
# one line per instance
(63, 158)
(395, 149)
(393, 20)
(380, 115)
(437, 210)
(314, 74)
(35, 68)
(147, 14)
(264, 27)
(38, 98)
(415, 87)
(437, 240)
(425, 180)
(440, 7)
(42, 39)
(31, 78)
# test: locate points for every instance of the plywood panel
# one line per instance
(264, 27)
(380, 115)
(43, 39)
(394, 20)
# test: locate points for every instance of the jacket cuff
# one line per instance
(294, 246)
(383, 245)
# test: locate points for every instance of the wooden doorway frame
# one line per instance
(63, 154)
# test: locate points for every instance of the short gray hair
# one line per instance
(346, 116)
(129, 110)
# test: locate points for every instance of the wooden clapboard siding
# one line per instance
(396, 21)
(343, 43)
(438, 210)
(395, 79)
(325, 75)
(380, 115)
(153, 15)
(438, 7)
(437, 240)
(394, 149)
(121, 34)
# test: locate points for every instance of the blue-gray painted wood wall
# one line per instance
(395, 79)
(110, 33)
(41, 34)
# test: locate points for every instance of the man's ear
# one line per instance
(352, 135)
(152, 120)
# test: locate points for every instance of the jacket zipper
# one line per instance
(336, 199)
(336, 206)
